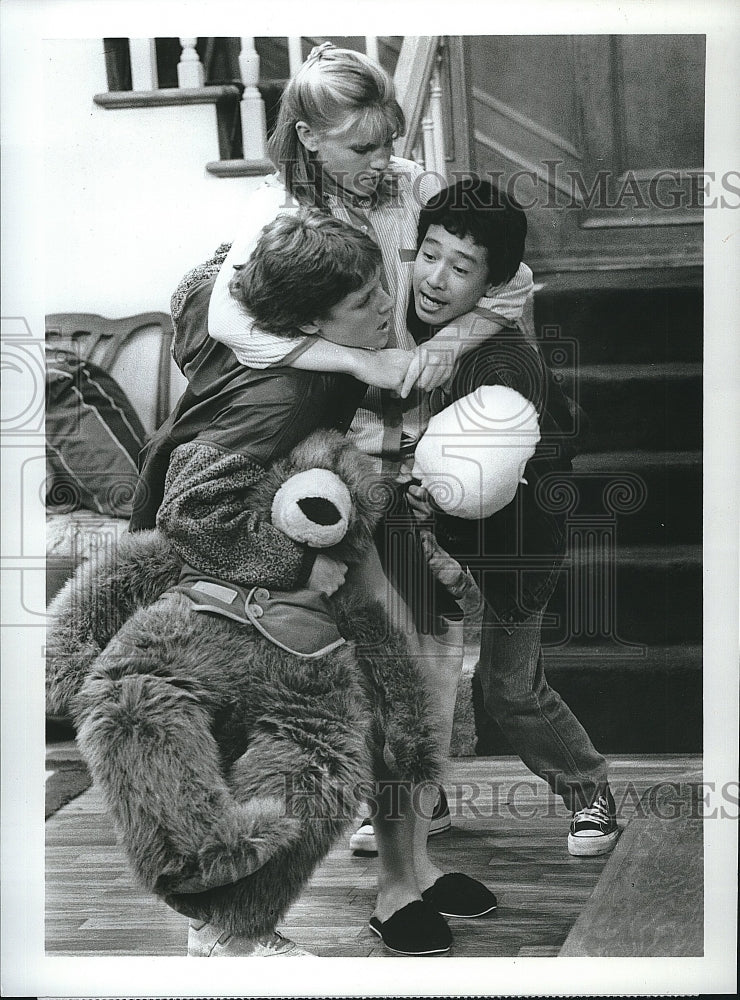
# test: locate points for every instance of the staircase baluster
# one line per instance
(436, 116)
(143, 63)
(190, 72)
(254, 125)
(295, 54)
(427, 138)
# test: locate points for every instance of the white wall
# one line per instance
(128, 204)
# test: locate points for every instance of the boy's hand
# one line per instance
(418, 500)
(431, 366)
(327, 575)
(434, 361)
(383, 369)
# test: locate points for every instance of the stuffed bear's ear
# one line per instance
(313, 507)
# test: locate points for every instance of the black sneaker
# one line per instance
(363, 839)
(594, 830)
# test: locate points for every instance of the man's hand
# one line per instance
(327, 574)
(431, 366)
(383, 369)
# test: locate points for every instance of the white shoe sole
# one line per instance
(591, 847)
(360, 841)
(363, 842)
(207, 941)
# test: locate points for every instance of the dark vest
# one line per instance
(259, 413)
(516, 553)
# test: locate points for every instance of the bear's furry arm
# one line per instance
(206, 515)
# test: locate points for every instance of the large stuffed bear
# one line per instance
(233, 730)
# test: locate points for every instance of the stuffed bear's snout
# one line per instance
(320, 510)
(314, 507)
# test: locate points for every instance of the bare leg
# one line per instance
(440, 667)
(397, 885)
(404, 865)
(369, 579)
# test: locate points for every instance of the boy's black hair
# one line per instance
(474, 207)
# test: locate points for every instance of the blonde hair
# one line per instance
(330, 86)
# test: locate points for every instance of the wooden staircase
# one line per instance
(623, 644)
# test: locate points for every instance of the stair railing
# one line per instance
(419, 92)
(191, 77)
(190, 71)
(143, 56)
(254, 130)
(254, 122)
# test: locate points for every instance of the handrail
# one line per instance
(419, 92)
(416, 64)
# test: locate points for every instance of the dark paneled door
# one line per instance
(601, 137)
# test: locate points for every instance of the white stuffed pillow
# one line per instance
(472, 457)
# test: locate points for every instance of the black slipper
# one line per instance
(415, 929)
(458, 895)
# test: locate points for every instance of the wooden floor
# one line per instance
(507, 830)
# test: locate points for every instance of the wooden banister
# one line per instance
(416, 62)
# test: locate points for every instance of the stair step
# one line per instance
(627, 704)
(620, 461)
(654, 371)
(634, 659)
(626, 324)
(671, 556)
(605, 657)
(653, 407)
(635, 594)
(667, 491)
(656, 599)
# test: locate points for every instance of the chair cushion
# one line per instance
(93, 438)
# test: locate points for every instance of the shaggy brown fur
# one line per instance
(92, 606)
(107, 589)
(229, 765)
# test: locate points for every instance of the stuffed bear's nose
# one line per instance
(319, 510)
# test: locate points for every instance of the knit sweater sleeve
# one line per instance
(205, 513)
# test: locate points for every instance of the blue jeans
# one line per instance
(539, 725)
